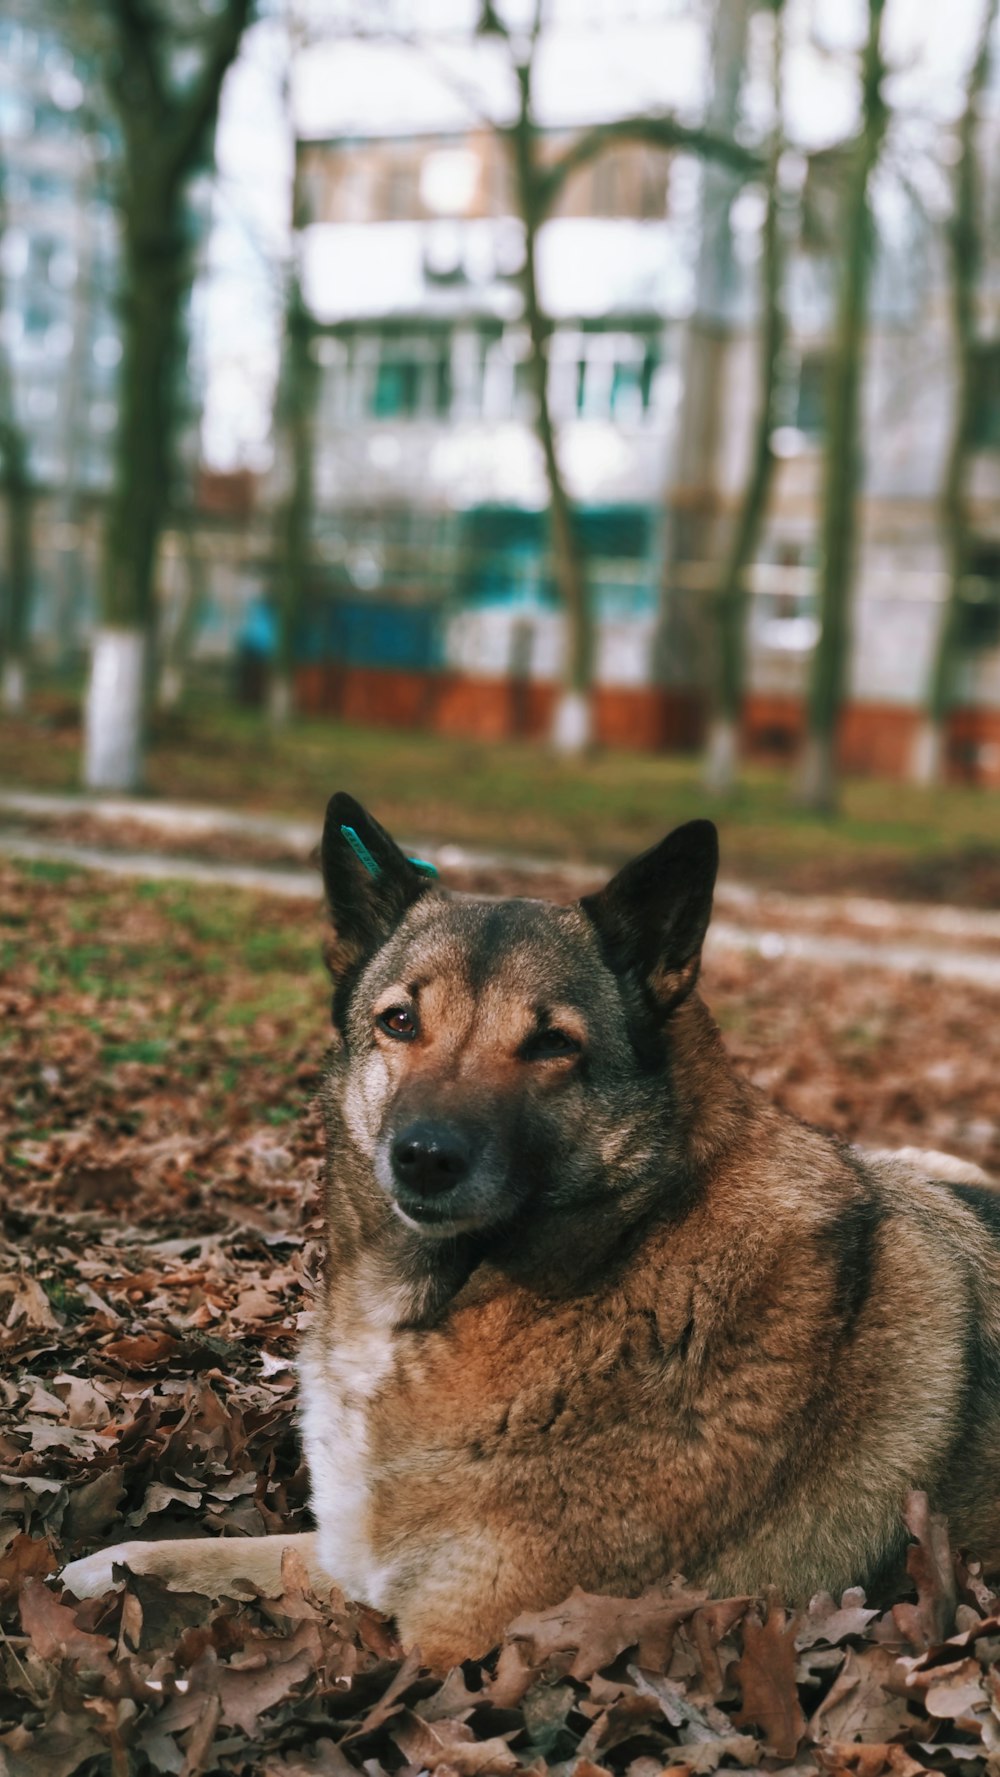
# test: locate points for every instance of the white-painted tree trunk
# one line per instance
(280, 699)
(722, 756)
(927, 757)
(114, 738)
(817, 782)
(13, 686)
(572, 723)
(169, 687)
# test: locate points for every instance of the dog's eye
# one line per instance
(396, 1021)
(549, 1045)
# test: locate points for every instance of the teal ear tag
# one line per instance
(360, 850)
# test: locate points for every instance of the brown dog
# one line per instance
(595, 1310)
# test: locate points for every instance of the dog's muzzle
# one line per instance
(442, 1177)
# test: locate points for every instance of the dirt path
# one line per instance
(160, 841)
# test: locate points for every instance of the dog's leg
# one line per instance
(199, 1564)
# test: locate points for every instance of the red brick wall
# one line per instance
(493, 709)
(876, 740)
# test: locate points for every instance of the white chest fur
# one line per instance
(338, 1382)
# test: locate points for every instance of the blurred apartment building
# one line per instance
(434, 599)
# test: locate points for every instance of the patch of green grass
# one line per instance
(282, 1113)
(517, 796)
(63, 1298)
(45, 870)
(151, 1051)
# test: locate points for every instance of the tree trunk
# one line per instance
(722, 754)
(19, 575)
(296, 516)
(722, 758)
(965, 252)
(114, 735)
(177, 653)
(816, 788)
(167, 133)
(927, 761)
(572, 729)
(156, 276)
(687, 624)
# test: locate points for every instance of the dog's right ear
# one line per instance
(369, 883)
(652, 917)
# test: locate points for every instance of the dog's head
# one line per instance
(498, 1059)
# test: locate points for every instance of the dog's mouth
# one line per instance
(434, 1221)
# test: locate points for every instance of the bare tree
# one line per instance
(18, 572)
(295, 422)
(728, 664)
(965, 247)
(167, 129)
(817, 782)
(539, 182)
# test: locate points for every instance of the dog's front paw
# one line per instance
(91, 1577)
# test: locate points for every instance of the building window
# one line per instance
(401, 200)
(979, 625)
(442, 385)
(412, 380)
(605, 189)
(614, 377)
(632, 386)
(986, 411)
(397, 388)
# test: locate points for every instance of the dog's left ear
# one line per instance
(652, 917)
(369, 883)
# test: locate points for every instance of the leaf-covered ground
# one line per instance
(160, 1050)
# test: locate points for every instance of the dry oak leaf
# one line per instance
(707, 1755)
(956, 1693)
(597, 1629)
(53, 1631)
(513, 1677)
(322, 1759)
(766, 1676)
(389, 1703)
(858, 1706)
(930, 1566)
(23, 1302)
(60, 1747)
(840, 1760)
(249, 1691)
(144, 1352)
(832, 1623)
(451, 1743)
(25, 1557)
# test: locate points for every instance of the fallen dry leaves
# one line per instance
(160, 1050)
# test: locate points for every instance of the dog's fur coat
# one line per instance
(595, 1310)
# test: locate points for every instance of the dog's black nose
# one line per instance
(429, 1158)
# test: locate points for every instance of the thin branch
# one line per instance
(658, 132)
(135, 31)
(194, 115)
(461, 89)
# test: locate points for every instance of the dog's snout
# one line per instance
(429, 1158)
